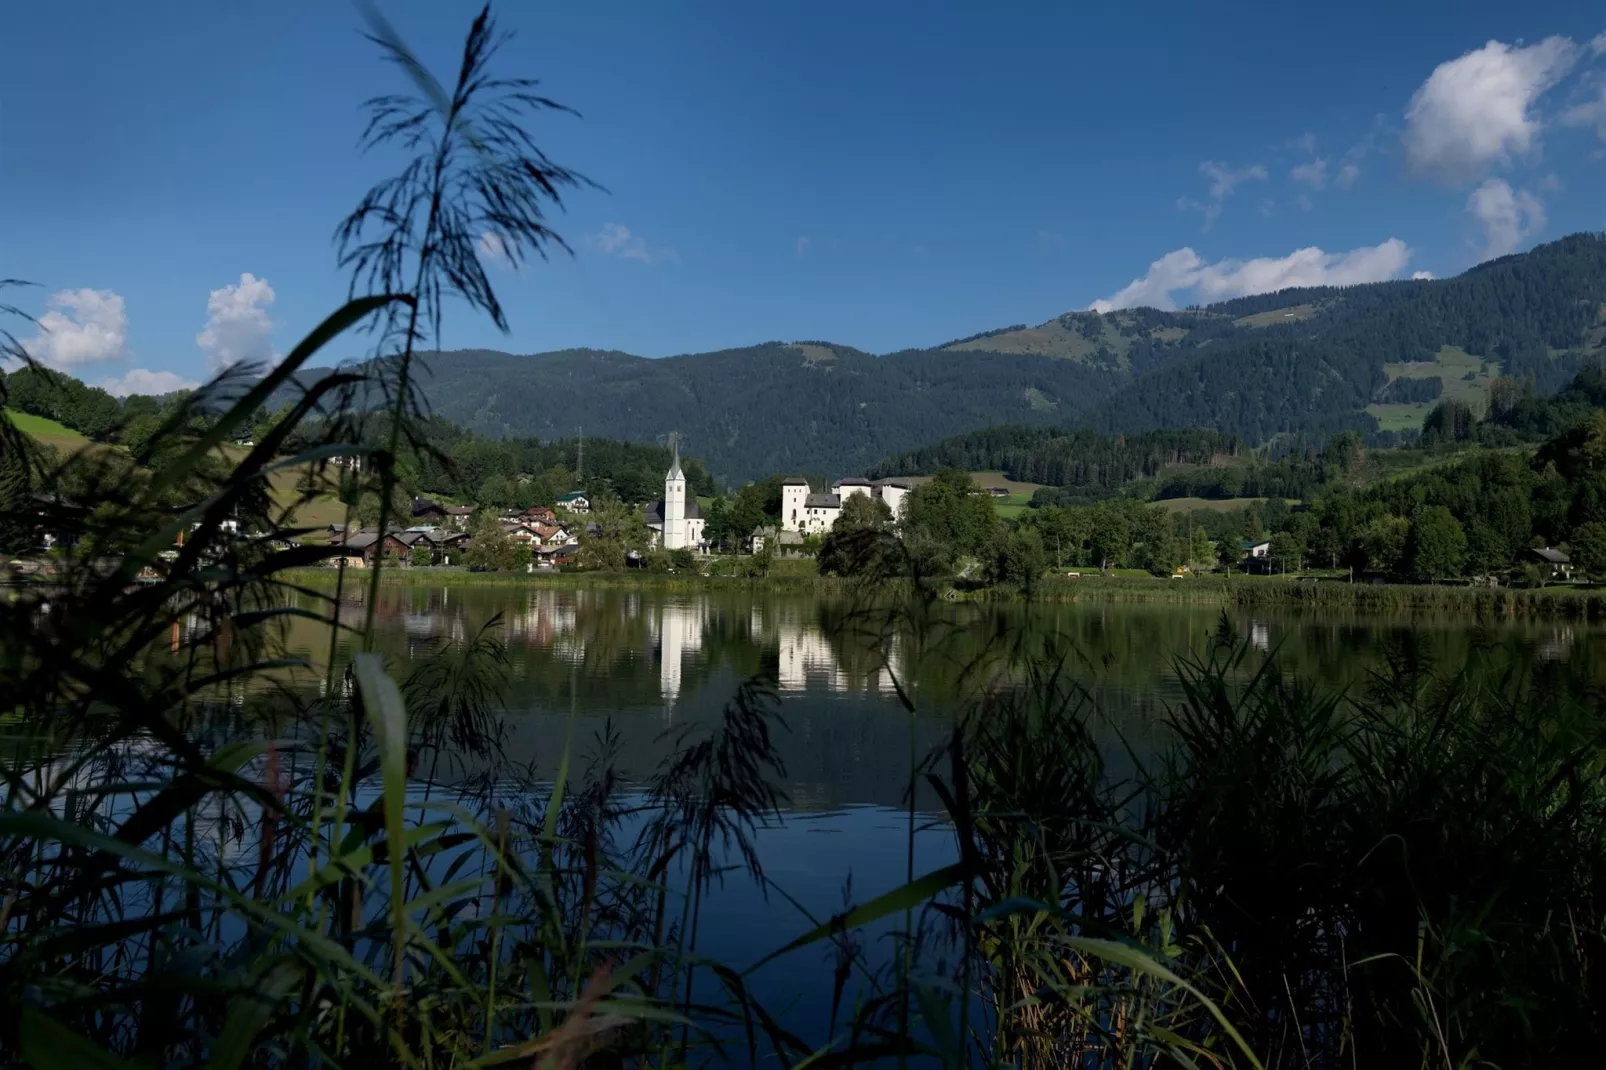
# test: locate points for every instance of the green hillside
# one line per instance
(1263, 368)
(46, 430)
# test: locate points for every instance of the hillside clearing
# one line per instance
(47, 431)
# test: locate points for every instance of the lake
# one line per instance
(640, 665)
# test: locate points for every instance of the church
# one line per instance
(676, 521)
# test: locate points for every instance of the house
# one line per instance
(538, 514)
(998, 492)
(450, 546)
(459, 516)
(1251, 548)
(550, 534)
(428, 512)
(676, 519)
(782, 540)
(359, 549)
(1555, 562)
(574, 502)
(555, 556)
(520, 533)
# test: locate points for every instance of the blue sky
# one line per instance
(882, 175)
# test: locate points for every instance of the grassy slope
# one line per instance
(324, 510)
(48, 432)
(1453, 365)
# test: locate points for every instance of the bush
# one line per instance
(420, 555)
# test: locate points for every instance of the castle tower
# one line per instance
(794, 504)
(675, 502)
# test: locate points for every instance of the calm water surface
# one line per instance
(648, 662)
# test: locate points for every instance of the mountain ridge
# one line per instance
(1302, 360)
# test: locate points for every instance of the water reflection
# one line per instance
(647, 660)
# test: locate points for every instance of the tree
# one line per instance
(490, 549)
(420, 554)
(1017, 558)
(1229, 555)
(861, 512)
(16, 486)
(1109, 534)
(1287, 550)
(1438, 545)
(953, 512)
(1588, 545)
(1450, 421)
(612, 530)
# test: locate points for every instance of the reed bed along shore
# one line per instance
(1482, 603)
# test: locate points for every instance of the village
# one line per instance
(549, 537)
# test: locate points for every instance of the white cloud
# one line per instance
(1184, 271)
(237, 324)
(493, 248)
(616, 240)
(1591, 112)
(80, 327)
(146, 381)
(1223, 180)
(1347, 174)
(803, 247)
(1312, 174)
(1477, 110)
(1420, 276)
(1507, 217)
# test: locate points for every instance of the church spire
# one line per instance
(674, 468)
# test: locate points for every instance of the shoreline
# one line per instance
(1473, 602)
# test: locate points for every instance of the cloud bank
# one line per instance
(146, 381)
(1184, 272)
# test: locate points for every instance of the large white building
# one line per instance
(813, 513)
(676, 520)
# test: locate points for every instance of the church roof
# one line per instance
(653, 512)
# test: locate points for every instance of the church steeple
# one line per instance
(674, 467)
(675, 535)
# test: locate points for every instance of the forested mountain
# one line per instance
(1259, 368)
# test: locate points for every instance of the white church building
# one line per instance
(676, 521)
(813, 513)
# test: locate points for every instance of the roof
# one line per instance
(459, 510)
(424, 505)
(822, 501)
(853, 481)
(573, 495)
(784, 536)
(1555, 557)
(894, 481)
(653, 512)
(1250, 544)
(795, 481)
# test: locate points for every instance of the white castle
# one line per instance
(676, 520)
(813, 513)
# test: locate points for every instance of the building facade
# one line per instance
(812, 513)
